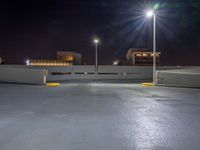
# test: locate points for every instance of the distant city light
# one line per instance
(27, 62)
(96, 41)
(116, 62)
(150, 13)
(145, 55)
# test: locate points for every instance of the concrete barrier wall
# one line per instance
(22, 75)
(142, 73)
(125, 69)
(180, 78)
(139, 73)
(104, 72)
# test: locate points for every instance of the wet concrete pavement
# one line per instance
(99, 116)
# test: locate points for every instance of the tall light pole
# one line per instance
(151, 13)
(96, 41)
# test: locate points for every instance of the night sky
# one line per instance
(32, 29)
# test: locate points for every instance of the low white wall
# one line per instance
(22, 75)
(104, 73)
(142, 73)
(180, 78)
(97, 77)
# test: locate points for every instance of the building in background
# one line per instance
(63, 58)
(72, 57)
(1, 61)
(141, 56)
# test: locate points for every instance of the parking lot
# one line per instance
(99, 116)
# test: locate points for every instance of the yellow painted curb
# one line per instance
(53, 84)
(148, 84)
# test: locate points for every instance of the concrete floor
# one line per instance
(99, 116)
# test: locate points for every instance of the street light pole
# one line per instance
(96, 57)
(96, 41)
(151, 13)
(154, 48)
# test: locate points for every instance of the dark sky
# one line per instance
(37, 29)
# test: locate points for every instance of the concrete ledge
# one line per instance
(179, 78)
(22, 75)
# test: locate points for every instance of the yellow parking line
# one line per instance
(148, 84)
(53, 84)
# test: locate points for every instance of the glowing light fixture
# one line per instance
(96, 41)
(27, 62)
(138, 55)
(150, 13)
(145, 55)
(116, 62)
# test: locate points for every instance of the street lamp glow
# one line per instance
(150, 13)
(27, 62)
(115, 62)
(96, 41)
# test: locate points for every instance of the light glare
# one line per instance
(150, 13)
(96, 41)
(27, 62)
(116, 62)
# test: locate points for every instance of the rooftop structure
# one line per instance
(141, 56)
(49, 63)
(72, 57)
(1, 61)
(63, 58)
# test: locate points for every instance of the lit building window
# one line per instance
(145, 55)
(138, 55)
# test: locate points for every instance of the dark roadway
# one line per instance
(99, 116)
